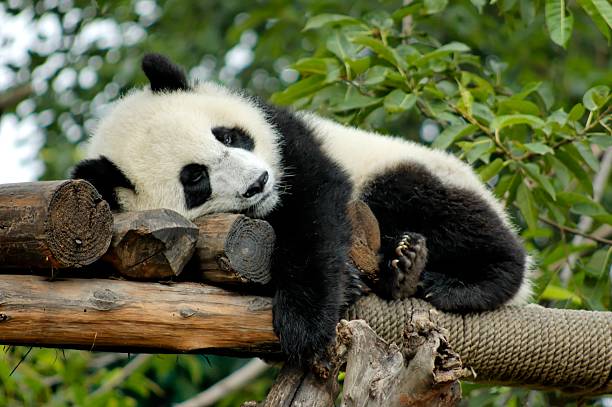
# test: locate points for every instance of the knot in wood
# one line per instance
(104, 300)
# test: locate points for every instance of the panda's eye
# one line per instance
(193, 174)
(227, 139)
(234, 137)
(224, 135)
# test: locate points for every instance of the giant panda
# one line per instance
(203, 148)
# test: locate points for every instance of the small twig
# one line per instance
(15, 95)
(225, 386)
(574, 231)
(125, 373)
(20, 361)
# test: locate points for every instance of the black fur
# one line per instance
(105, 176)
(310, 273)
(163, 75)
(234, 137)
(196, 184)
(474, 261)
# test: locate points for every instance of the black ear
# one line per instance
(163, 74)
(103, 174)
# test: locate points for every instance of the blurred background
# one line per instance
(62, 62)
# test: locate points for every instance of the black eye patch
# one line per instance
(234, 137)
(196, 184)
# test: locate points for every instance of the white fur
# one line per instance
(150, 137)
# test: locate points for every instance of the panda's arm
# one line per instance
(313, 237)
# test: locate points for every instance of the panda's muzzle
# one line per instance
(258, 186)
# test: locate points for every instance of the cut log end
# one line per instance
(78, 224)
(249, 247)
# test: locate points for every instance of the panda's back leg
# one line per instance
(474, 261)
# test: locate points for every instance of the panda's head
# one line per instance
(196, 150)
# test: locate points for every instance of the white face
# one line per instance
(197, 152)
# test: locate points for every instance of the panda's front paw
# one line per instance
(405, 266)
(304, 334)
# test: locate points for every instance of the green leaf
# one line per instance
(533, 171)
(528, 11)
(605, 9)
(539, 148)
(434, 6)
(381, 49)
(399, 101)
(589, 7)
(359, 65)
(525, 203)
(584, 149)
(399, 14)
(375, 75)
(300, 89)
(512, 105)
(479, 4)
(556, 293)
(480, 149)
(453, 133)
(322, 20)
(596, 97)
(558, 21)
(602, 140)
(528, 90)
(442, 51)
(321, 66)
(576, 113)
(355, 100)
(467, 100)
(490, 170)
(340, 46)
(510, 120)
(565, 156)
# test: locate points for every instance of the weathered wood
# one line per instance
(128, 316)
(366, 241)
(233, 249)
(295, 387)
(378, 374)
(426, 373)
(52, 224)
(151, 245)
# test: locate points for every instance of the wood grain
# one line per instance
(128, 316)
(52, 224)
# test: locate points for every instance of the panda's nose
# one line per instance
(257, 186)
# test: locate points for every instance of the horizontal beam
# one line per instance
(127, 316)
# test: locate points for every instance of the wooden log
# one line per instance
(52, 224)
(151, 245)
(129, 316)
(233, 249)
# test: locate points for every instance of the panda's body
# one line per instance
(208, 149)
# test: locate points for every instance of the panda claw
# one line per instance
(406, 267)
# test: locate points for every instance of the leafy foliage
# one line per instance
(517, 88)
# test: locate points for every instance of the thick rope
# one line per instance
(531, 346)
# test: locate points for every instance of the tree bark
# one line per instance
(151, 245)
(52, 224)
(128, 316)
